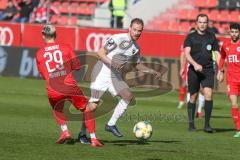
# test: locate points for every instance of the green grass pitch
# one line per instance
(28, 130)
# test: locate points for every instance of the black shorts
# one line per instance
(205, 78)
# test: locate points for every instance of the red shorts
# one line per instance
(78, 100)
(233, 88)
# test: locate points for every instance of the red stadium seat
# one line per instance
(164, 26)
(182, 14)
(204, 11)
(63, 20)
(192, 24)
(212, 3)
(91, 9)
(213, 15)
(82, 9)
(56, 4)
(150, 26)
(173, 27)
(184, 27)
(225, 26)
(64, 7)
(201, 3)
(193, 14)
(234, 16)
(73, 20)
(206, 3)
(221, 30)
(74, 7)
(217, 25)
(54, 19)
(224, 16)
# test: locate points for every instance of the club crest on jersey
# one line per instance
(125, 45)
(133, 51)
(209, 47)
(110, 41)
(110, 45)
(238, 49)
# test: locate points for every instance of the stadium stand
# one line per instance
(221, 12)
(172, 16)
(69, 11)
(77, 10)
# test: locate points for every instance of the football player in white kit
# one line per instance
(107, 76)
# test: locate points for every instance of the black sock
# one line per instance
(208, 111)
(83, 129)
(191, 113)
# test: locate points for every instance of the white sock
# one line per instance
(64, 127)
(188, 97)
(118, 112)
(93, 135)
(201, 100)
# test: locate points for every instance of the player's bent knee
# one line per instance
(128, 96)
(193, 98)
(208, 96)
(233, 99)
(91, 106)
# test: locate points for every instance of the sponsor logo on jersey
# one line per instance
(133, 51)
(238, 49)
(124, 45)
(209, 47)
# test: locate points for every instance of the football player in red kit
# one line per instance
(56, 62)
(231, 53)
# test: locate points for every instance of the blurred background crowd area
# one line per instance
(176, 16)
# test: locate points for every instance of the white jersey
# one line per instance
(120, 44)
(120, 49)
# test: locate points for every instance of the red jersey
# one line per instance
(56, 62)
(231, 52)
(40, 14)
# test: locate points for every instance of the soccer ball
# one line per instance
(143, 130)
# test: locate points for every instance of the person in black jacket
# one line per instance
(9, 12)
(25, 11)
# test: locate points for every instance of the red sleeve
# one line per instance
(222, 58)
(38, 62)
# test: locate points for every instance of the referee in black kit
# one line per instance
(198, 48)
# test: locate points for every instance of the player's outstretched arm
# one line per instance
(102, 54)
(142, 68)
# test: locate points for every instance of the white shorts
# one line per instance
(103, 83)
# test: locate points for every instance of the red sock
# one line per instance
(236, 118)
(182, 93)
(90, 121)
(59, 115)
